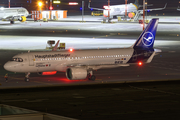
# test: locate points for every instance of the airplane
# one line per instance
(12, 14)
(79, 64)
(178, 8)
(119, 10)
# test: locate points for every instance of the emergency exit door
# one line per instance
(31, 60)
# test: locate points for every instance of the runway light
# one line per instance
(140, 63)
(71, 50)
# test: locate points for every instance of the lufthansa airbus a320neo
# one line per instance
(80, 64)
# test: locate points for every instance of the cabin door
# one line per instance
(31, 60)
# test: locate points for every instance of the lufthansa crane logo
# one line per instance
(148, 38)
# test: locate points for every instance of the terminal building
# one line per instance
(53, 14)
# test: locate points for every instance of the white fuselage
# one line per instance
(61, 60)
(7, 13)
(116, 10)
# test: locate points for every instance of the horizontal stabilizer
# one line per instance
(150, 58)
(94, 8)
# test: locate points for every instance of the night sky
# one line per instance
(32, 4)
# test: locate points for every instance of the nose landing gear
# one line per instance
(27, 77)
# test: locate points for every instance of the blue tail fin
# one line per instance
(147, 37)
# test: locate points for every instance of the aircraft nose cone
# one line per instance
(9, 66)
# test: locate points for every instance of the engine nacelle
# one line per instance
(47, 73)
(23, 19)
(131, 14)
(76, 73)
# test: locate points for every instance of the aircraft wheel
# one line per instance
(12, 22)
(27, 79)
(104, 20)
(93, 77)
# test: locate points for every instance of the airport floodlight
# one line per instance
(40, 4)
(105, 7)
(56, 2)
(73, 3)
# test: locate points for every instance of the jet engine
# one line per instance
(23, 19)
(76, 73)
(131, 15)
(47, 73)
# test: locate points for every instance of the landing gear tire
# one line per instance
(104, 20)
(27, 79)
(12, 21)
(92, 77)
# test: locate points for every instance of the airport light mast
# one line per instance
(40, 5)
(108, 10)
(146, 8)
(82, 11)
(9, 3)
(143, 14)
(50, 9)
(125, 9)
(47, 5)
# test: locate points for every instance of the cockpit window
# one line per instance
(17, 59)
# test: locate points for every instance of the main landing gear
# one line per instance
(91, 76)
(109, 20)
(12, 21)
(27, 77)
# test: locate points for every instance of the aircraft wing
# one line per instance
(141, 11)
(7, 17)
(94, 8)
(147, 5)
(11, 17)
(96, 67)
(178, 8)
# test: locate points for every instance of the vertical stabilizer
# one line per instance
(147, 37)
(56, 46)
